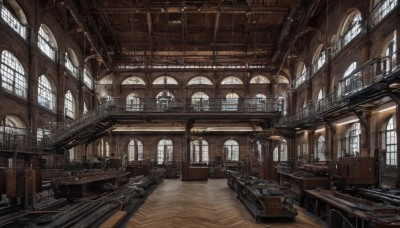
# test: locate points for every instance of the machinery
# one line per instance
(262, 198)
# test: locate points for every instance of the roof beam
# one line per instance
(177, 8)
(100, 49)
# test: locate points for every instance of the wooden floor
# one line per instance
(209, 203)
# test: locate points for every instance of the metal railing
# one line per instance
(166, 105)
(373, 71)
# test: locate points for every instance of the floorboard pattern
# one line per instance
(202, 204)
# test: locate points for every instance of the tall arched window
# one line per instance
(200, 101)
(259, 151)
(16, 21)
(353, 136)
(165, 151)
(12, 73)
(318, 59)
(231, 150)
(46, 93)
(381, 9)
(40, 133)
(46, 42)
(390, 141)
(320, 149)
(280, 152)
(230, 103)
(260, 103)
(133, 102)
(231, 80)
(85, 108)
(301, 76)
(199, 151)
(164, 100)
(320, 95)
(135, 150)
(352, 27)
(351, 81)
(391, 54)
(200, 80)
(87, 78)
(69, 105)
(71, 64)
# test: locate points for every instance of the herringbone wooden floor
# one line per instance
(202, 204)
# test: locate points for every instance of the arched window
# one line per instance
(318, 59)
(259, 79)
(352, 27)
(280, 152)
(72, 155)
(12, 73)
(71, 64)
(40, 133)
(282, 80)
(135, 150)
(230, 103)
(200, 80)
(381, 9)
(260, 103)
(85, 108)
(165, 80)
(164, 100)
(320, 149)
(46, 42)
(320, 95)
(390, 142)
(133, 80)
(231, 80)
(133, 102)
(46, 93)
(259, 151)
(391, 53)
(165, 151)
(351, 82)
(13, 125)
(353, 136)
(199, 151)
(69, 105)
(231, 150)
(301, 76)
(200, 101)
(87, 78)
(107, 80)
(16, 21)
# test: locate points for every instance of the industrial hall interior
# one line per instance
(187, 113)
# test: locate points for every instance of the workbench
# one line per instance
(337, 208)
(300, 183)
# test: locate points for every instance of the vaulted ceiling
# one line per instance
(143, 34)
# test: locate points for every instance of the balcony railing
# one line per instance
(167, 105)
(373, 71)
